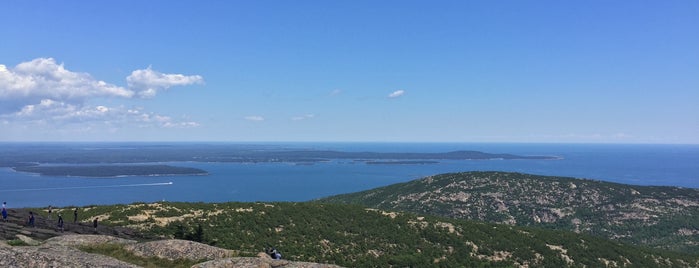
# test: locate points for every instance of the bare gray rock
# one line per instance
(252, 262)
(61, 251)
(86, 240)
(174, 249)
(28, 240)
(54, 256)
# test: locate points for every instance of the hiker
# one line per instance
(75, 215)
(94, 224)
(30, 222)
(60, 222)
(49, 216)
(4, 214)
(274, 253)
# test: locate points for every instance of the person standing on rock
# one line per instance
(75, 215)
(60, 222)
(30, 222)
(94, 224)
(49, 210)
(4, 214)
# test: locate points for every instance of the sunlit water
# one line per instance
(671, 165)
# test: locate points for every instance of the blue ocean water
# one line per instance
(669, 165)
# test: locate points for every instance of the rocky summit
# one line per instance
(44, 245)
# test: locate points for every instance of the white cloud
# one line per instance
(181, 124)
(336, 92)
(302, 117)
(148, 82)
(254, 118)
(61, 113)
(43, 78)
(43, 92)
(623, 136)
(396, 94)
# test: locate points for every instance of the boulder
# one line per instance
(174, 249)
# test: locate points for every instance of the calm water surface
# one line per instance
(671, 165)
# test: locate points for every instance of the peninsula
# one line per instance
(111, 170)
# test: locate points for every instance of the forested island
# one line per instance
(132, 159)
(404, 162)
(18, 154)
(111, 170)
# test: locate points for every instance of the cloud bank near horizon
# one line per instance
(45, 93)
(255, 118)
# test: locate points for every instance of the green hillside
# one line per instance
(355, 236)
(658, 217)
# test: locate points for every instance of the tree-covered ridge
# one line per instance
(14, 155)
(660, 217)
(111, 170)
(355, 236)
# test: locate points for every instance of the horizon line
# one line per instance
(385, 142)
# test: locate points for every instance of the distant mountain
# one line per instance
(658, 217)
(355, 236)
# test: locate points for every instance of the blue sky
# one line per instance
(403, 71)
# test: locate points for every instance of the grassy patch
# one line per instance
(16, 242)
(118, 252)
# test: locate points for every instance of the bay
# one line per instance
(668, 165)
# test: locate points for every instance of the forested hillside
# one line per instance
(659, 217)
(355, 236)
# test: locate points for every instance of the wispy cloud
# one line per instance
(254, 118)
(396, 94)
(141, 116)
(148, 82)
(336, 92)
(42, 91)
(302, 117)
(62, 113)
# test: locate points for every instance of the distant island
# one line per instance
(406, 162)
(22, 155)
(371, 156)
(131, 159)
(111, 170)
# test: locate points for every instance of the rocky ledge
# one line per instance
(46, 246)
(62, 251)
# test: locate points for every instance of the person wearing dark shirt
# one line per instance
(60, 222)
(30, 222)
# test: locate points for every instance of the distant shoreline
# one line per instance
(401, 162)
(111, 171)
(111, 162)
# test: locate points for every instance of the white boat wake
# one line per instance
(88, 187)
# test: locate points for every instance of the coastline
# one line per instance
(287, 181)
